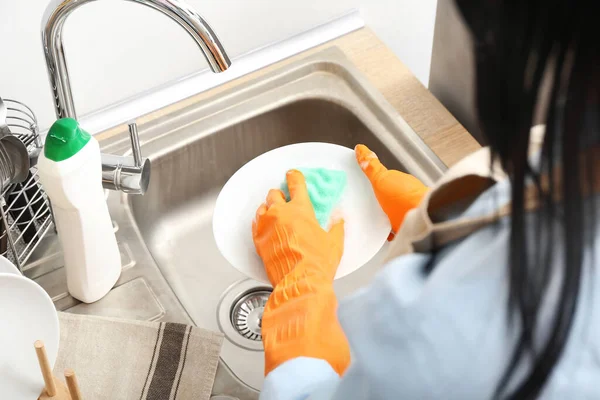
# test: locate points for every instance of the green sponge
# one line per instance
(325, 189)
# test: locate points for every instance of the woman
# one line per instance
(496, 295)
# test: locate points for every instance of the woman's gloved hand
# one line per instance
(301, 260)
(287, 233)
(396, 191)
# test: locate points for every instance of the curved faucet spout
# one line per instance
(57, 13)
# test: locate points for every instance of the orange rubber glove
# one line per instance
(397, 192)
(301, 260)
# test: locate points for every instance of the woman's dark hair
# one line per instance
(520, 47)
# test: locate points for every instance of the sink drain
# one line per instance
(246, 314)
(240, 313)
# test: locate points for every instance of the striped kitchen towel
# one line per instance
(121, 360)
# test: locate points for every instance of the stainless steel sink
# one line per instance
(166, 235)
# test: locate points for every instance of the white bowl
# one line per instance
(27, 314)
(8, 267)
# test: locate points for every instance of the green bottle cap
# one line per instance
(65, 138)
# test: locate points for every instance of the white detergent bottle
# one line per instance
(70, 171)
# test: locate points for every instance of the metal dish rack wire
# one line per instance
(25, 208)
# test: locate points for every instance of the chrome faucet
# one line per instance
(129, 174)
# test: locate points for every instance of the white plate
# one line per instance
(367, 227)
(26, 315)
(7, 267)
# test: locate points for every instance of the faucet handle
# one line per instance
(135, 144)
(127, 174)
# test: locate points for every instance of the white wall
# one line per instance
(116, 49)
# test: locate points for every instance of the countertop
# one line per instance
(419, 108)
(423, 112)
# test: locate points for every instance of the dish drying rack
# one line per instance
(26, 215)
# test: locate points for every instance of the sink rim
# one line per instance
(331, 62)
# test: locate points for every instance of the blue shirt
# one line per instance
(445, 335)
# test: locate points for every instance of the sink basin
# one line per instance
(314, 101)
(194, 149)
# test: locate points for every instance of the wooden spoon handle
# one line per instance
(40, 350)
(72, 384)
